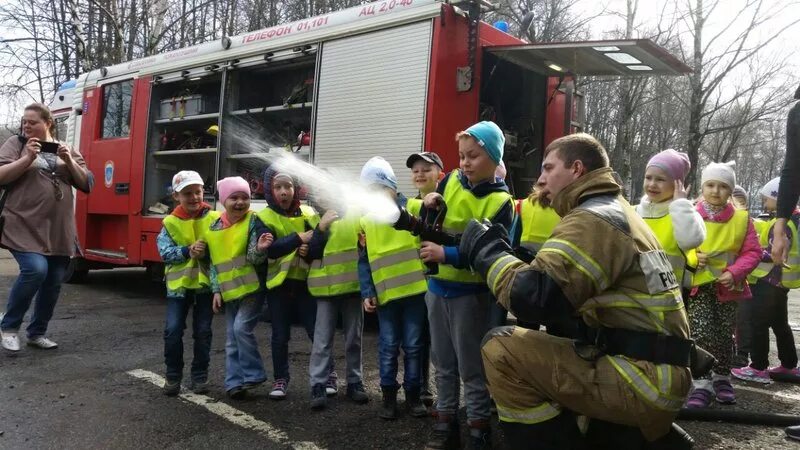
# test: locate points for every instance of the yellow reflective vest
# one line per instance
(193, 273)
(662, 228)
(463, 206)
(290, 266)
(228, 248)
(337, 272)
(397, 271)
(722, 245)
(790, 278)
(537, 224)
(414, 206)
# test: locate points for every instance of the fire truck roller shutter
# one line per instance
(371, 99)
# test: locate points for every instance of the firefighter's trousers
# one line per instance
(532, 376)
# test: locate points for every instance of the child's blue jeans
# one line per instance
(401, 324)
(243, 362)
(177, 311)
(40, 276)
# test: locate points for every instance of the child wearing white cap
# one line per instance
(729, 253)
(768, 309)
(181, 247)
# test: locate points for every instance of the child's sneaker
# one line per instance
(356, 393)
(10, 341)
(237, 393)
(318, 398)
(783, 371)
(332, 386)
(199, 387)
(279, 388)
(699, 398)
(172, 387)
(748, 373)
(724, 391)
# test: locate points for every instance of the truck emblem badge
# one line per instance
(108, 174)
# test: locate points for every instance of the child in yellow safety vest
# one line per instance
(672, 217)
(427, 169)
(333, 282)
(235, 284)
(184, 254)
(300, 237)
(729, 253)
(392, 281)
(770, 297)
(457, 298)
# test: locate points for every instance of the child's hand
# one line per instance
(305, 237)
(431, 252)
(681, 191)
(433, 200)
(264, 241)
(303, 250)
(702, 260)
(328, 218)
(370, 305)
(216, 303)
(726, 279)
(197, 250)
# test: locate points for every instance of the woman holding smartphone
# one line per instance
(39, 222)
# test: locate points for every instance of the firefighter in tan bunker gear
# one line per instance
(630, 373)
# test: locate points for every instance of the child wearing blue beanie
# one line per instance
(458, 299)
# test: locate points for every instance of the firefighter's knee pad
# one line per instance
(504, 331)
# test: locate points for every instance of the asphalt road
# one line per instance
(97, 391)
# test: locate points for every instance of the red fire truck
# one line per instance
(387, 78)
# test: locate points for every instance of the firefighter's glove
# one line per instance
(482, 243)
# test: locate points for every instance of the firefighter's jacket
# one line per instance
(610, 268)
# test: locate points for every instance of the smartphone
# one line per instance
(49, 147)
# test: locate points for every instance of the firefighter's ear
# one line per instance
(441, 175)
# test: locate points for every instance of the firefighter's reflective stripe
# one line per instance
(665, 233)
(498, 268)
(337, 272)
(541, 413)
(463, 206)
(644, 388)
(538, 223)
(397, 271)
(664, 378)
(290, 266)
(666, 301)
(790, 278)
(722, 244)
(192, 273)
(228, 248)
(581, 260)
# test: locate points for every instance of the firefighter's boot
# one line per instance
(445, 435)
(389, 406)
(676, 439)
(560, 432)
(480, 435)
(605, 435)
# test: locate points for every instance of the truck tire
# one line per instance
(77, 272)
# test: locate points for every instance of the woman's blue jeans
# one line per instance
(40, 276)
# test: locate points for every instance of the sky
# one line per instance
(726, 19)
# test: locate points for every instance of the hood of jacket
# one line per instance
(294, 209)
(596, 182)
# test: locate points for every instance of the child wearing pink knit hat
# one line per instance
(666, 210)
(232, 244)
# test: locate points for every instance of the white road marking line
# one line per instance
(228, 413)
(795, 397)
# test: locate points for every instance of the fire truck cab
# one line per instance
(388, 78)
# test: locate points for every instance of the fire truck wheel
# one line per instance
(76, 271)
